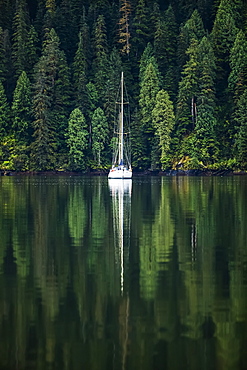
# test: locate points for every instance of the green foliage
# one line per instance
(4, 111)
(101, 63)
(164, 120)
(21, 108)
(20, 37)
(241, 136)
(77, 140)
(141, 34)
(14, 155)
(238, 63)
(188, 91)
(100, 134)
(150, 85)
(70, 52)
(80, 67)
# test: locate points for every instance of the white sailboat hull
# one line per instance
(120, 173)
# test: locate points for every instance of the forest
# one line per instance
(185, 68)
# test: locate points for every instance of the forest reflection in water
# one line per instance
(150, 275)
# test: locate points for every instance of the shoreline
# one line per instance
(169, 173)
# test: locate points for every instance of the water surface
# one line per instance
(142, 274)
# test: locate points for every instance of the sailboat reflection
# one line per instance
(120, 191)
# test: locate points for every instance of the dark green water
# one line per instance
(151, 275)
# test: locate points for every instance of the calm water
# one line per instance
(143, 275)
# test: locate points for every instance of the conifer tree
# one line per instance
(77, 140)
(124, 26)
(238, 63)
(50, 102)
(44, 145)
(4, 112)
(99, 134)
(241, 136)
(140, 28)
(223, 35)
(147, 56)
(205, 148)
(80, 67)
(193, 29)
(101, 65)
(31, 50)
(21, 108)
(163, 120)
(150, 85)
(20, 37)
(3, 62)
(188, 92)
(165, 48)
(112, 86)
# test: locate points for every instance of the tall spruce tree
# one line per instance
(112, 86)
(188, 92)
(238, 63)
(163, 120)
(223, 35)
(150, 85)
(192, 29)
(141, 34)
(21, 109)
(124, 26)
(50, 102)
(100, 64)
(80, 67)
(165, 48)
(20, 37)
(77, 140)
(4, 112)
(205, 147)
(100, 134)
(241, 136)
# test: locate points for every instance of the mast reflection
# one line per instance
(120, 191)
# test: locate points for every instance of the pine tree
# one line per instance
(238, 63)
(241, 136)
(43, 148)
(80, 67)
(77, 140)
(4, 112)
(3, 62)
(192, 30)
(20, 37)
(21, 108)
(188, 92)
(112, 86)
(100, 64)
(223, 35)
(67, 28)
(205, 148)
(141, 34)
(99, 134)
(150, 85)
(145, 59)
(31, 50)
(163, 120)
(50, 102)
(124, 26)
(165, 47)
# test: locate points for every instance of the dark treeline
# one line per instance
(185, 66)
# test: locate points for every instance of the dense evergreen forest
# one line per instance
(185, 66)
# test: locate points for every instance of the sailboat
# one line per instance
(121, 167)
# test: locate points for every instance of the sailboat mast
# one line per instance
(121, 122)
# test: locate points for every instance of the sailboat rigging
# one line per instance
(121, 166)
